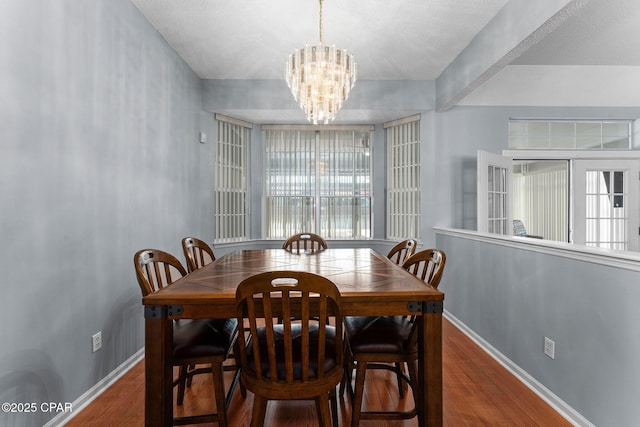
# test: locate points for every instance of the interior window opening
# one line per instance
(541, 199)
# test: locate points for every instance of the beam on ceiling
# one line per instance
(519, 25)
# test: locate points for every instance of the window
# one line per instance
(317, 181)
(403, 178)
(607, 195)
(570, 134)
(585, 193)
(232, 167)
(541, 197)
(494, 192)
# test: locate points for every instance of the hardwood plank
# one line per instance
(477, 391)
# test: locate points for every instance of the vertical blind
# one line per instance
(317, 181)
(231, 180)
(541, 197)
(403, 179)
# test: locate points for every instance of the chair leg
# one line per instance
(334, 407)
(236, 357)
(259, 411)
(345, 384)
(232, 387)
(413, 376)
(190, 378)
(217, 372)
(402, 386)
(322, 407)
(182, 379)
(356, 407)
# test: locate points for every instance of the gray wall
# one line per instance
(589, 310)
(99, 158)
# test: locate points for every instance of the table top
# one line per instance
(361, 274)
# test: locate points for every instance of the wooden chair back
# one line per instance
(197, 253)
(297, 350)
(427, 265)
(402, 251)
(156, 269)
(307, 243)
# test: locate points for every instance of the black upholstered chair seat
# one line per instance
(377, 334)
(330, 356)
(203, 337)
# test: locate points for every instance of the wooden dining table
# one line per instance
(369, 284)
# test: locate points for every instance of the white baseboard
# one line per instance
(554, 401)
(81, 402)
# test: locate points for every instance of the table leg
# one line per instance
(158, 385)
(430, 370)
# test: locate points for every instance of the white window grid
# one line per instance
(232, 167)
(570, 134)
(498, 196)
(403, 179)
(607, 215)
(317, 181)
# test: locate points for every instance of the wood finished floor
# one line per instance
(477, 391)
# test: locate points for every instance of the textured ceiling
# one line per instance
(409, 40)
(592, 59)
(251, 39)
(605, 32)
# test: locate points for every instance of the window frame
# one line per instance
(315, 194)
(571, 132)
(572, 156)
(231, 180)
(403, 137)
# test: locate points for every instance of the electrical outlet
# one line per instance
(549, 348)
(96, 342)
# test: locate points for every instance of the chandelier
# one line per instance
(320, 78)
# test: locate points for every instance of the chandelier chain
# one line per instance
(320, 21)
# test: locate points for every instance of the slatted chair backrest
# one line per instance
(402, 251)
(197, 253)
(156, 269)
(298, 357)
(427, 265)
(305, 243)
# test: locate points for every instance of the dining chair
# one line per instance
(388, 342)
(197, 253)
(195, 341)
(294, 359)
(307, 243)
(403, 250)
(520, 230)
(399, 254)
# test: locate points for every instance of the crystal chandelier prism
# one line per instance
(320, 78)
